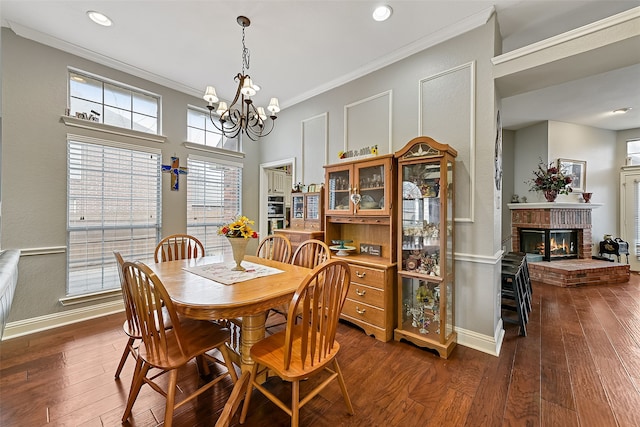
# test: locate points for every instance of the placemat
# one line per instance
(221, 272)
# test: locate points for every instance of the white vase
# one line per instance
(239, 248)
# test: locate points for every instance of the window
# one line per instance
(113, 103)
(200, 130)
(213, 198)
(113, 198)
(633, 152)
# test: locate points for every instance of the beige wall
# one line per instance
(466, 120)
(34, 86)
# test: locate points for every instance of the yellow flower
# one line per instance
(239, 227)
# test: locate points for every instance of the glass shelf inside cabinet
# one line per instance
(339, 190)
(420, 306)
(371, 187)
(421, 220)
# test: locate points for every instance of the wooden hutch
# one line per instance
(307, 218)
(360, 212)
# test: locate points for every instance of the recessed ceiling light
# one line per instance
(382, 13)
(621, 110)
(99, 18)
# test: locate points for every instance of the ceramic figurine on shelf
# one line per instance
(423, 293)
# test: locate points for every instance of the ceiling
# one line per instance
(301, 48)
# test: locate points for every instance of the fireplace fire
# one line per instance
(552, 244)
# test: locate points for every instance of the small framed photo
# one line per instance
(577, 170)
(311, 188)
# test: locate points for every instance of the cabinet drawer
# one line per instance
(367, 276)
(312, 225)
(365, 294)
(364, 312)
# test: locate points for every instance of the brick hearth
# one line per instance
(572, 272)
(578, 272)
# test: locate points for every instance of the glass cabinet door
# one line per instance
(339, 190)
(371, 188)
(297, 206)
(421, 218)
(312, 206)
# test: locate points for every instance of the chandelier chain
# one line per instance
(245, 54)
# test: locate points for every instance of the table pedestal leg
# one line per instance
(252, 332)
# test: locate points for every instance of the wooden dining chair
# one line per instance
(168, 349)
(309, 254)
(275, 247)
(178, 246)
(237, 396)
(308, 345)
(129, 326)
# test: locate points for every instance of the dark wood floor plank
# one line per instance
(591, 401)
(556, 415)
(555, 384)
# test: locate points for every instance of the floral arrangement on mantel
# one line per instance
(239, 227)
(550, 180)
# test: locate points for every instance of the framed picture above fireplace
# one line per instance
(577, 170)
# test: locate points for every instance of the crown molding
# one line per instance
(577, 33)
(470, 23)
(39, 37)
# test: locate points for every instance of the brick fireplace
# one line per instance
(553, 216)
(570, 272)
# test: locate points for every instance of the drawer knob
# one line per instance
(361, 275)
(364, 310)
(360, 293)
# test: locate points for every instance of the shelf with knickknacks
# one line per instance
(425, 248)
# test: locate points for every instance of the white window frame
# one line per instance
(111, 224)
(209, 194)
(633, 157)
(100, 106)
(211, 139)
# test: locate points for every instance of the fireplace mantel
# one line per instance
(554, 205)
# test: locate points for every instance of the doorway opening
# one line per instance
(275, 198)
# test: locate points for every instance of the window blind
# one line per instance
(113, 197)
(214, 197)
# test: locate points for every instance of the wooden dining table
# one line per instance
(202, 298)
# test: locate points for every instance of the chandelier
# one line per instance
(241, 115)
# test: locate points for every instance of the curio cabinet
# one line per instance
(426, 245)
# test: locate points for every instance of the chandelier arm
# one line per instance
(213, 121)
(240, 78)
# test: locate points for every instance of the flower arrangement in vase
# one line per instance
(238, 232)
(550, 180)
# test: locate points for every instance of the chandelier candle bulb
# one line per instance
(274, 106)
(210, 95)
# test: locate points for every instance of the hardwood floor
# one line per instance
(578, 366)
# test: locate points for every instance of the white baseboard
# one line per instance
(484, 343)
(55, 320)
